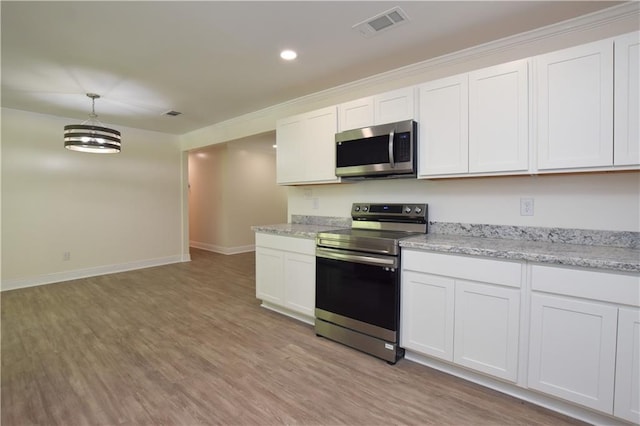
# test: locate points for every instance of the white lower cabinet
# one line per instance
(448, 316)
(626, 403)
(573, 350)
(487, 319)
(585, 337)
(269, 275)
(300, 282)
(427, 314)
(285, 275)
(566, 332)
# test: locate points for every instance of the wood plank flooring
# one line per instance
(188, 344)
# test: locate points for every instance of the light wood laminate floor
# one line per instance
(188, 344)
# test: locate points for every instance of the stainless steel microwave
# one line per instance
(382, 151)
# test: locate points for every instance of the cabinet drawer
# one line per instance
(470, 268)
(292, 244)
(603, 286)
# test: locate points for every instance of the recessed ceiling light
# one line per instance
(288, 55)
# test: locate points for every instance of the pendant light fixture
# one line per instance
(92, 135)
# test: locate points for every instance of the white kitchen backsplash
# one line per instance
(596, 201)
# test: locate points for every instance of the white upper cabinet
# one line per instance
(476, 123)
(574, 115)
(320, 154)
(388, 107)
(306, 148)
(499, 118)
(626, 146)
(444, 126)
(356, 114)
(289, 137)
(397, 105)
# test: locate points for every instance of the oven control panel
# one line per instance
(390, 212)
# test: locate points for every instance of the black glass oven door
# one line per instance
(366, 289)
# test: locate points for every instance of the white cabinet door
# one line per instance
(319, 159)
(499, 118)
(575, 107)
(306, 148)
(356, 114)
(286, 275)
(397, 105)
(572, 350)
(300, 283)
(486, 332)
(269, 275)
(626, 145)
(627, 391)
(444, 126)
(427, 307)
(289, 139)
(388, 107)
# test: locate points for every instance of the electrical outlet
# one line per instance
(66, 256)
(526, 206)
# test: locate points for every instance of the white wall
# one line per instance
(585, 201)
(111, 212)
(233, 186)
(206, 195)
(252, 195)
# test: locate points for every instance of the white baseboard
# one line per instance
(220, 249)
(292, 314)
(12, 284)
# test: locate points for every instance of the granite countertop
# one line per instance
(581, 255)
(615, 251)
(299, 230)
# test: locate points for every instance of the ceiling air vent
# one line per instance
(382, 22)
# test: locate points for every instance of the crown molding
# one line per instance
(263, 120)
(576, 25)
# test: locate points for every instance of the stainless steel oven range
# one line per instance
(358, 277)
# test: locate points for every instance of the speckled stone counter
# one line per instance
(615, 251)
(601, 257)
(305, 226)
(299, 230)
(535, 245)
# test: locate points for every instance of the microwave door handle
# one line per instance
(391, 159)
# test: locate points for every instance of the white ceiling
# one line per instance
(215, 60)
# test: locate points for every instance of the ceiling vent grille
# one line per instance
(382, 22)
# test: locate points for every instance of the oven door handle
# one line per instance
(349, 256)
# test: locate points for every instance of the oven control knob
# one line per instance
(356, 208)
(365, 208)
(418, 210)
(407, 209)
